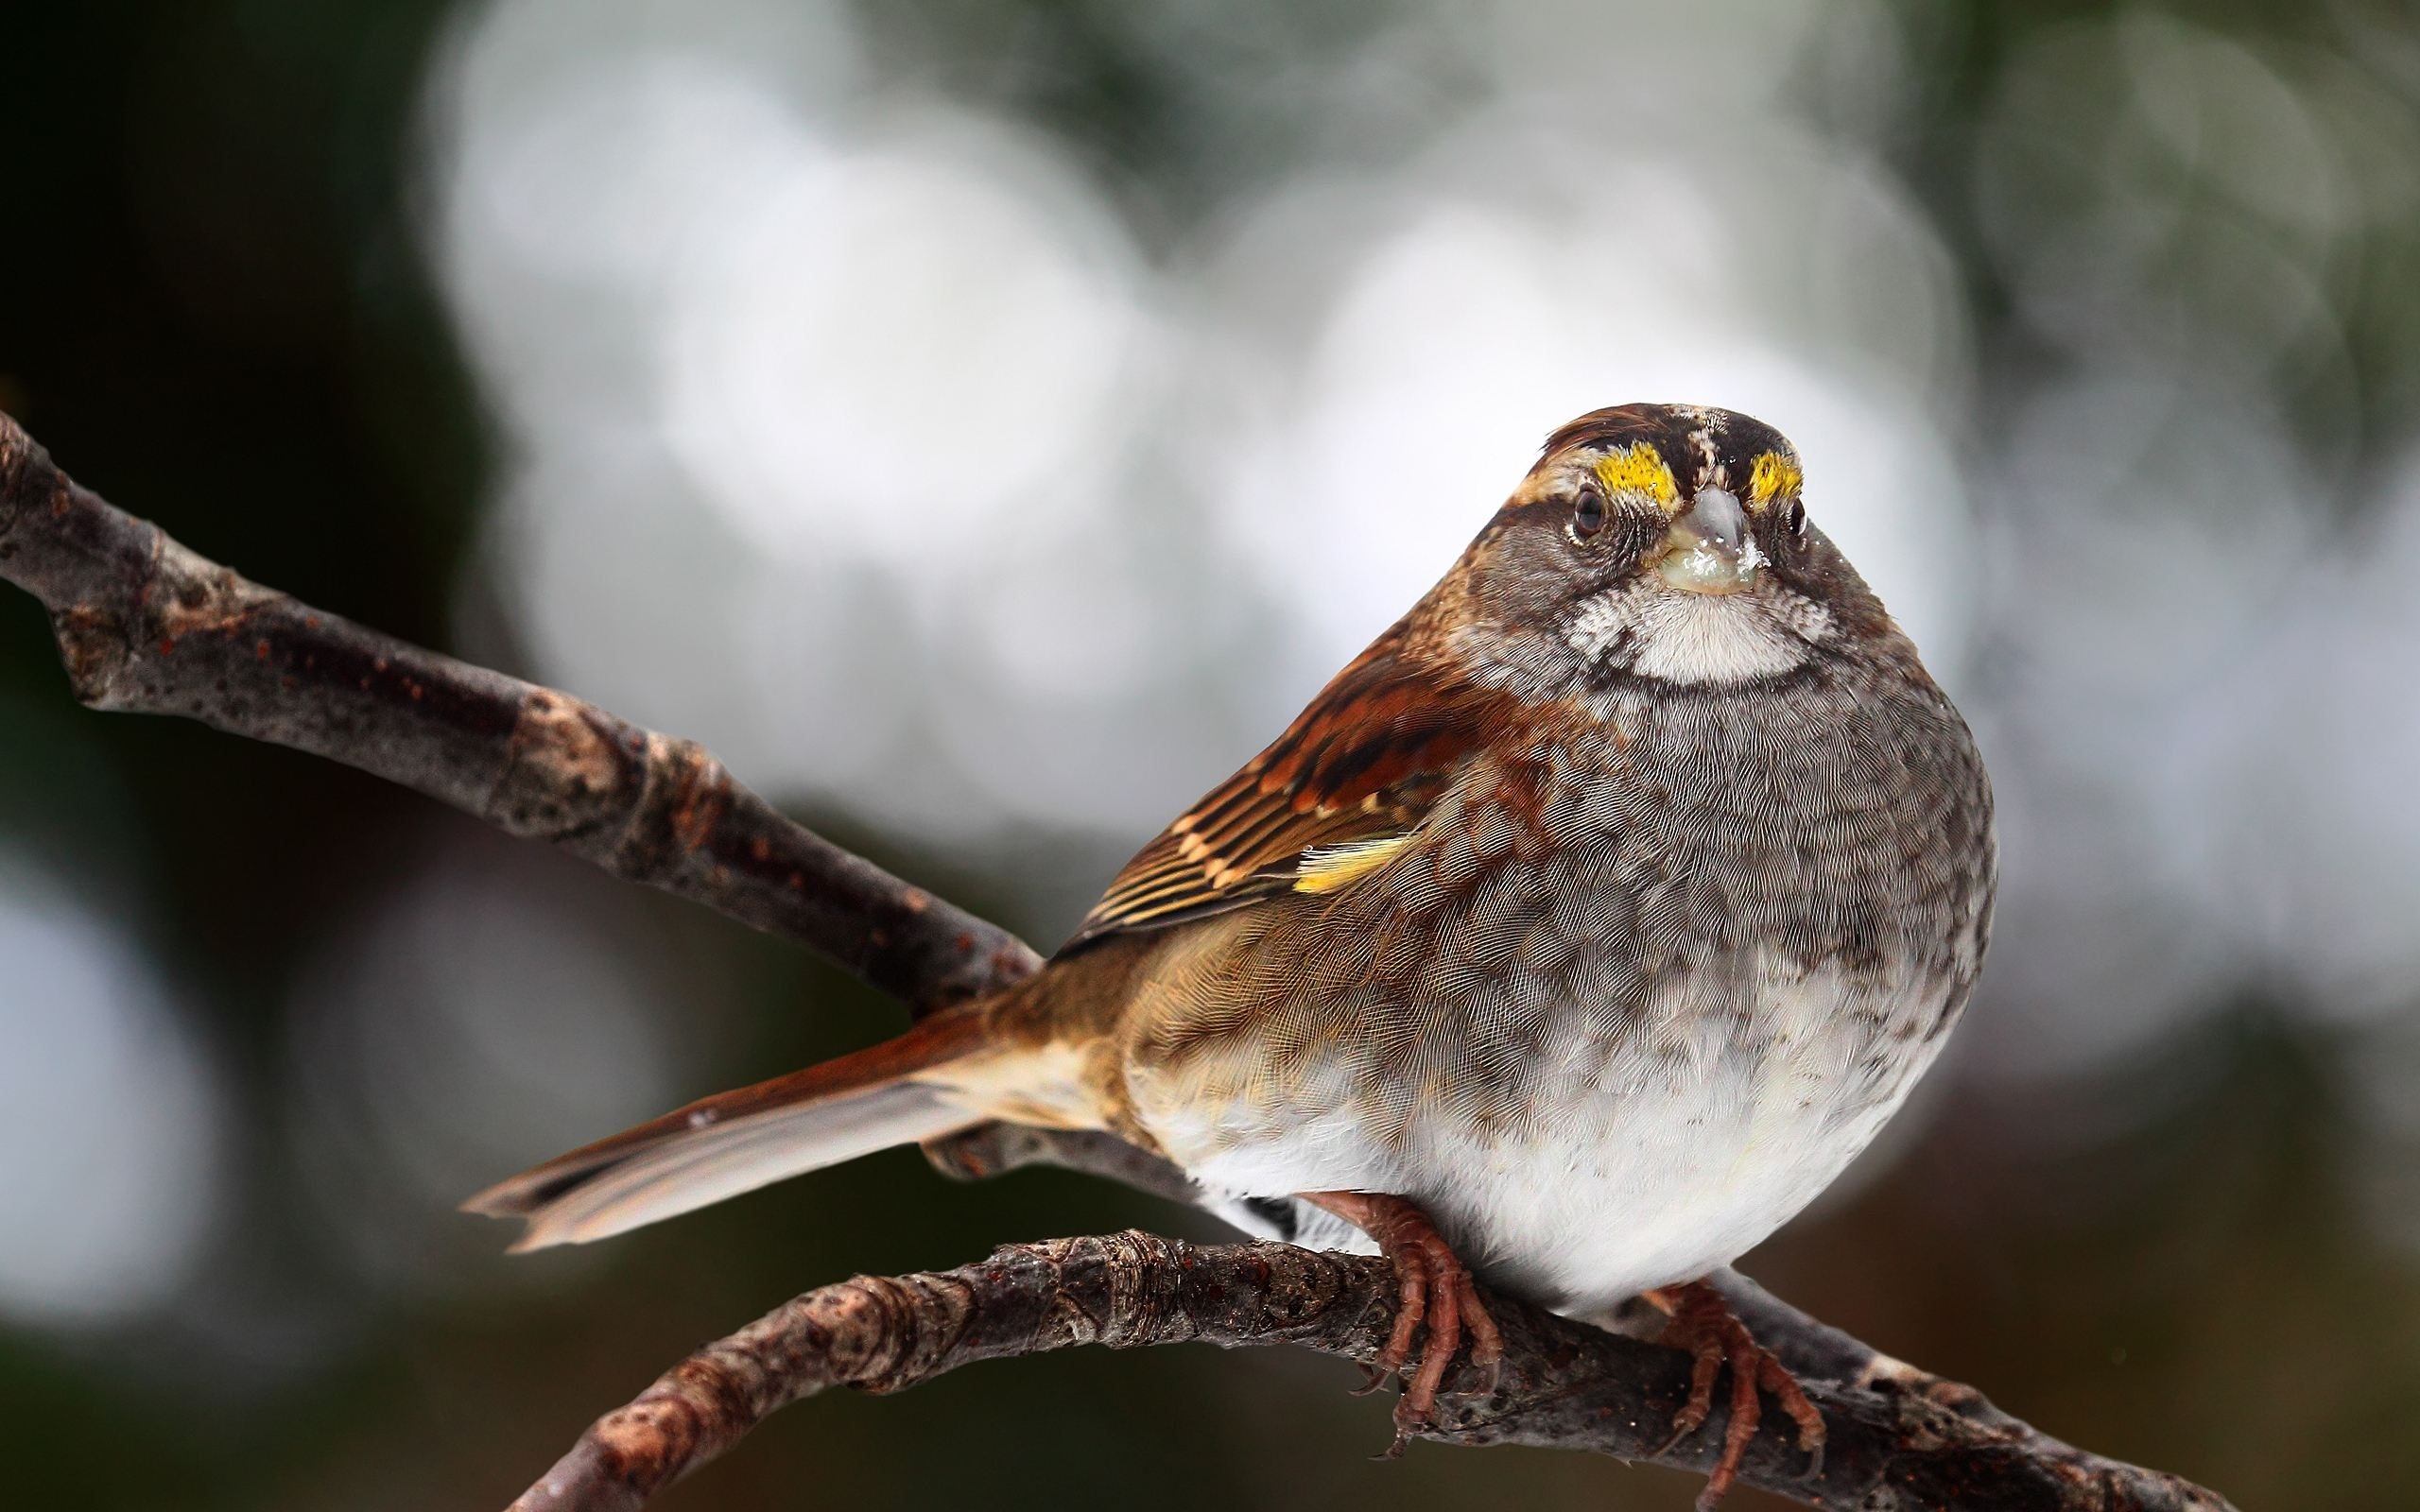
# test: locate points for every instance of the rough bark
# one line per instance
(1900, 1440)
(146, 626)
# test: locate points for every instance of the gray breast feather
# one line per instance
(1824, 823)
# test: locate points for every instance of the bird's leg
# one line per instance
(1436, 1288)
(1702, 1323)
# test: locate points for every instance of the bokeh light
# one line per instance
(477, 1013)
(110, 1112)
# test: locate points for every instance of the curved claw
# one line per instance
(1433, 1287)
(1703, 1324)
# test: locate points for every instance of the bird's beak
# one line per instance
(1708, 549)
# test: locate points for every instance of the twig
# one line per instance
(146, 626)
(1900, 1440)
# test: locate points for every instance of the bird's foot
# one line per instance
(1703, 1324)
(1435, 1287)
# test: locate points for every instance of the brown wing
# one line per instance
(1362, 764)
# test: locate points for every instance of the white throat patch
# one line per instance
(1701, 638)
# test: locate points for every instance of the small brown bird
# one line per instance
(1576, 937)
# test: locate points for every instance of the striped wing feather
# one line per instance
(1361, 764)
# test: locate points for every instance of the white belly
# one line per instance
(1641, 1164)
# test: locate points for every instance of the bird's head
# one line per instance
(1667, 542)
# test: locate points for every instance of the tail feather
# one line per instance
(892, 1093)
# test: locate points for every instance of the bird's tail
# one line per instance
(928, 1082)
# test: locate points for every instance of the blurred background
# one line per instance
(984, 424)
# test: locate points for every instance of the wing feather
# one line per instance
(1362, 764)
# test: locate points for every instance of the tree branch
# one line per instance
(1901, 1440)
(146, 626)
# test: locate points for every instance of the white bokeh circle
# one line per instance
(110, 1118)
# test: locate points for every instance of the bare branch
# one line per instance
(1901, 1440)
(146, 626)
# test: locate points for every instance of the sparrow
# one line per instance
(1574, 938)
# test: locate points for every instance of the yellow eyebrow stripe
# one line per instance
(1639, 469)
(1331, 866)
(1773, 476)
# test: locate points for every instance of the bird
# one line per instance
(1572, 940)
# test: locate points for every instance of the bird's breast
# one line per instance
(1667, 970)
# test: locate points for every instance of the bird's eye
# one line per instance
(1587, 513)
(1796, 520)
